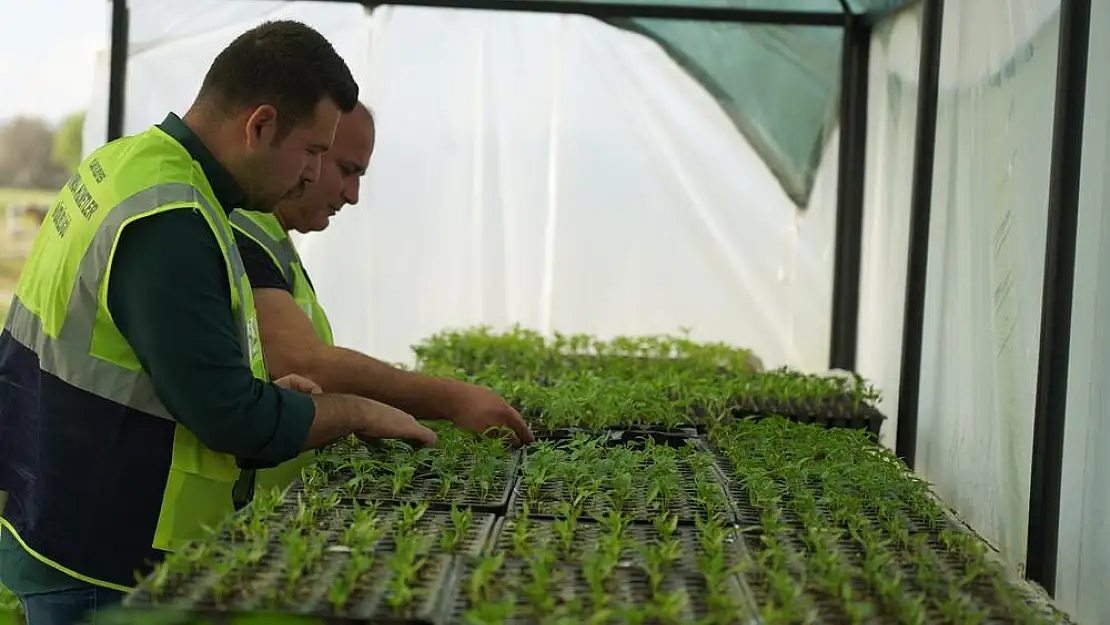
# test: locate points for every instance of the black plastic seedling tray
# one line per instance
(262, 587)
(610, 436)
(587, 532)
(367, 604)
(172, 616)
(839, 411)
(628, 587)
(635, 436)
(423, 487)
(678, 437)
(683, 505)
(333, 521)
(980, 594)
(681, 432)
(542, 433)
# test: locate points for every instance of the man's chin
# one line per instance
(261, 207)
(310, 229)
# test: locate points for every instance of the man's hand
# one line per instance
(381, 421)
(295, 382)
(478, 408)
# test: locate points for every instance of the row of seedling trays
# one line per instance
(665, 381)
(756, 522)
(656, 397)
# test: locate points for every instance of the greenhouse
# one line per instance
(802, 300)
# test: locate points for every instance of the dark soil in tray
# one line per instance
(224, 584)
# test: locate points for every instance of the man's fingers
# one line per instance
(512, 427)
(523, 432)
(299, 383)
(413, 431)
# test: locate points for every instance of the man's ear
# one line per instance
(262, 126)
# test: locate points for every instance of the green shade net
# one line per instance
(780, 85)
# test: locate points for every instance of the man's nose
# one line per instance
(350, 192)
(312, 169)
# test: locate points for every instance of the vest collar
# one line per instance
(228, 192)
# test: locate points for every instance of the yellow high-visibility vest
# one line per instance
(265, 230)
(60, 313)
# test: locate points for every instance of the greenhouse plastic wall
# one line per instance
(1083, 577)
(685, 227)
(983, 291)
(985, 274)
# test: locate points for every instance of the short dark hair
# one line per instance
(283, 63)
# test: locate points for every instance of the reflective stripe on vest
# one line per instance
(265, 230)
(273, 239)
(68, 356)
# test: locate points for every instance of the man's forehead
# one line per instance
(354, 138)
(356, 122)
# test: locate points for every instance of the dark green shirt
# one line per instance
(170, 297)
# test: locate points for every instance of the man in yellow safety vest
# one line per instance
(135, 404)
(295, 331)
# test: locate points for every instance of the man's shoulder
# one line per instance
(181, 232)
(260, 267)
(261, 227)
(148, 169)
(247, 244)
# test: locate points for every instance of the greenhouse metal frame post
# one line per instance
(921, 202)
(1056, 301)
(854, 77)
(117, 77)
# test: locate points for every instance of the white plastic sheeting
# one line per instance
(986, 254)
(542, 169)
(891, 119)
(173, 43)
(1083, 572)
(557, 172)
(986, 268)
